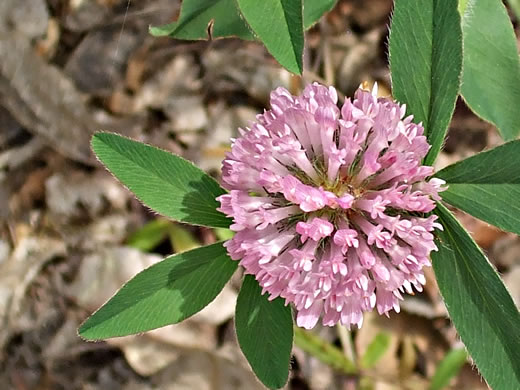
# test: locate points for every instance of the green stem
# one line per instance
(323, 351)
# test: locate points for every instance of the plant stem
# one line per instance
(323, 351)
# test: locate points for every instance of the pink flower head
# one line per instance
(329, 205)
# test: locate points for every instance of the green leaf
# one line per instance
(265, 333)
(491, 77)
(313, 10)
(150, 235)
(376, 349)
(163, 294)
(448, 368)
(426, 60)
(279, 25)
(487, 186)
(197, 17)
(479, 305)
(462, 6)
(166, 183)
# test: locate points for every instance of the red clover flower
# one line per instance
(330, 206)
